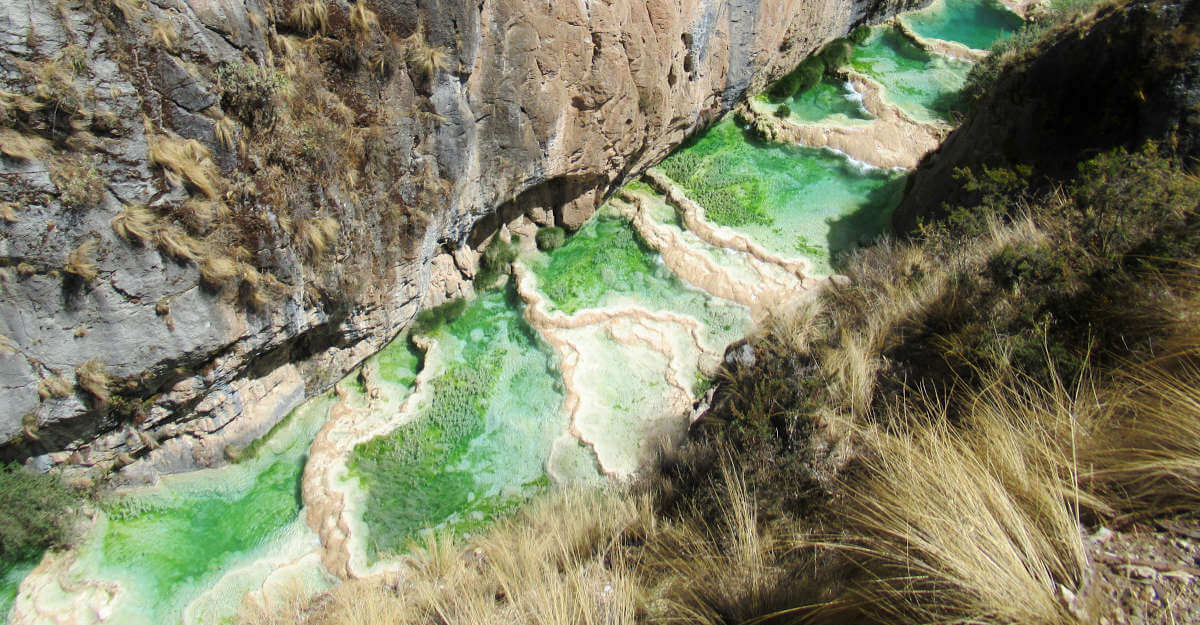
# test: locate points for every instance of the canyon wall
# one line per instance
(210, 210)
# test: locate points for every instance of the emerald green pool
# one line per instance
(924, 85)
(804, 202)
(974, 23)
(827, 99)
(168, 545)
(607, 264)
(479, 443)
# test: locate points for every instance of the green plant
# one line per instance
(79, 183)
(550, 238)
(496, 258)
(860, 34)
(836, 54)
(35, 513)
(248, 93)
(783, 112)
(430, 319)
(806, 75)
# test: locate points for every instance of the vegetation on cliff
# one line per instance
(927, 440)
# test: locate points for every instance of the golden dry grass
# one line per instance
(54, 386)
(19, 146)
(92, 376)
(166, 34)
(311, 16)
(186, 161)
(81, 261)
(134, 224)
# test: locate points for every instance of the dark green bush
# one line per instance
(860, 35)
(801, 79)
(550, 238)
(836, 54)
(35, 513)
(497, 256)
(783, 111)
(431, 319)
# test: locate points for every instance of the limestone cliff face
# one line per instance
(1116, 79)
(213, 209)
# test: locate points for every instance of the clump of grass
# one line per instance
(55, 387)
(176, 243)
(806, 75)
(424, 59)
(310, 16)
(550, 238)
(134, 224)
(186, 161)
(35, 513)
(1147, 459)
(92, 376)
(79, 183)
(219, 272)
(495, 260)
(166, 34)
(80, 262)
(363, 20)
(248, 90)
(316, 236)
(18, 146)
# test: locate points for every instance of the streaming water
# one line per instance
(573, 370)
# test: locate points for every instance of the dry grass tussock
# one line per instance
(186, 161)
(81, 262)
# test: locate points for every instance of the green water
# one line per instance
(924, 85)
(606, 264)
(816, 203)
(827, 100)
(10, 580)
(974, 23)
(479, 443)
(169, 544)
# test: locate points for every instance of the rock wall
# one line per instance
(213, 209)
(1128, 74)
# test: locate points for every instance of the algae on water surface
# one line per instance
(817, 203)
(478, 443)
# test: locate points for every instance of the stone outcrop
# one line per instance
(196, 193)
(1106, 81)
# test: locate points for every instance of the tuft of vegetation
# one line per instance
(429, 320)
(134, 224)
(36, 513)
(54, 387)
(860, 35)
(79, 183)
(166, 34)
(92, 376)
(495, 260)
(550, 238)
(806, 75)
(729, 198)
(248, 93)
(81, 262)
(19, 146)
(310, 16)
(186, 161)
(836, 54)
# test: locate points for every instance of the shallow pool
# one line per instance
(974, 23)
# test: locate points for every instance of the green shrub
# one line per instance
(860, 35)
(34, 513)
(783, 111)
(801, 79)
(496, 258)
(550, 238)
(248, 92)
(431, 319)
(836, 54)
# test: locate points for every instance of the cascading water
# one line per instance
(571, 371)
